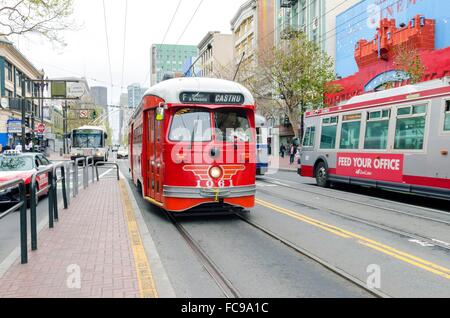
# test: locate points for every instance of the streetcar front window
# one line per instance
(87, 139)
(232, 126)
(191, 125)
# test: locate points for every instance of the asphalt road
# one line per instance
(397, 243)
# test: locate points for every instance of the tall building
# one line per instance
(100, 95)
(167, 58)
(216, 55)
(253, 28)
(135, 93)
(316, 18)
(16, 81)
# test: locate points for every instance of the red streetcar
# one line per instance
(193, 143)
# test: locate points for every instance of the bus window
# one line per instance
(447, 116)
(410, 131)
(350, 131)
(328, 136)
(310, 136)
(377, 130)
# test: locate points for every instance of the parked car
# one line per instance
(122, 153)
(15, 165)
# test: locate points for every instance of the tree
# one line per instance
(408, 59)
(295, 77)
(44, 17)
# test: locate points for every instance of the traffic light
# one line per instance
(94, 114)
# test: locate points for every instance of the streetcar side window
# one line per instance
(410, 130)
(377, 130)
(329, 130)
(447, 116)
(310, 136)
(350, 131)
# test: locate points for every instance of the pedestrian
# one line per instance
(282, 150)
(18, 147)
(292, 152)
(29, 147)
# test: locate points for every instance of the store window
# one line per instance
(410, 130)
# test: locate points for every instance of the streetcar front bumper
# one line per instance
(209, 193)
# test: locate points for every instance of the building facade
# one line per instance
(135, 93)
(18, 78)
(216, 55)
(100, 95)
(169, 58)
(366, 48)
(316, 18)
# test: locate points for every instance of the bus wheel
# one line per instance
(322, 175)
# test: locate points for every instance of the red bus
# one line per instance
(397, 139)
(193, 143)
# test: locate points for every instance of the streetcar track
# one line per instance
(362, 203)
(341, 273)
(366, 222)
(213, 270)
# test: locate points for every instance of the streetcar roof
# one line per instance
(91, 128)
(170, 90)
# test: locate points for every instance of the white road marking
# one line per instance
(421, 243)
(441, 242)
(104, 174)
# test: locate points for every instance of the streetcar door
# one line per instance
(151, 154)
(158, 160)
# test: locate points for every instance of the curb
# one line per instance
(162, 281)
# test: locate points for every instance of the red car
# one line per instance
(14, 166)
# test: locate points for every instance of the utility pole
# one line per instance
(65, 127)
(24, 140)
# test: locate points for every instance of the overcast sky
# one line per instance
(86, 51)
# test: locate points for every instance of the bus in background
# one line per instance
(89, 141)
(397, 139)
(262, 134)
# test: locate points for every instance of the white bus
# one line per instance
(397, 139)
(89, 141)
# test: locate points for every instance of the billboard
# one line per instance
(362, 20)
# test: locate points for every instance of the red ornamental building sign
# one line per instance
(375, 58)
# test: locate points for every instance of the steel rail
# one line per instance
(362, 203)
(316, 259)
(213, 270)
(377, 225)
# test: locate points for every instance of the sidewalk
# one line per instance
(94, 251)
(283, 163)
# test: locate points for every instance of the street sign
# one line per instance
(14, 126)
(75, 90)
(5, 102)
(41, 128)
(58, 89)
(83, 114)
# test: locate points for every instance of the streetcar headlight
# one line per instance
(215, 172)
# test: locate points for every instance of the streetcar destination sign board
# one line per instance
(212, 98)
